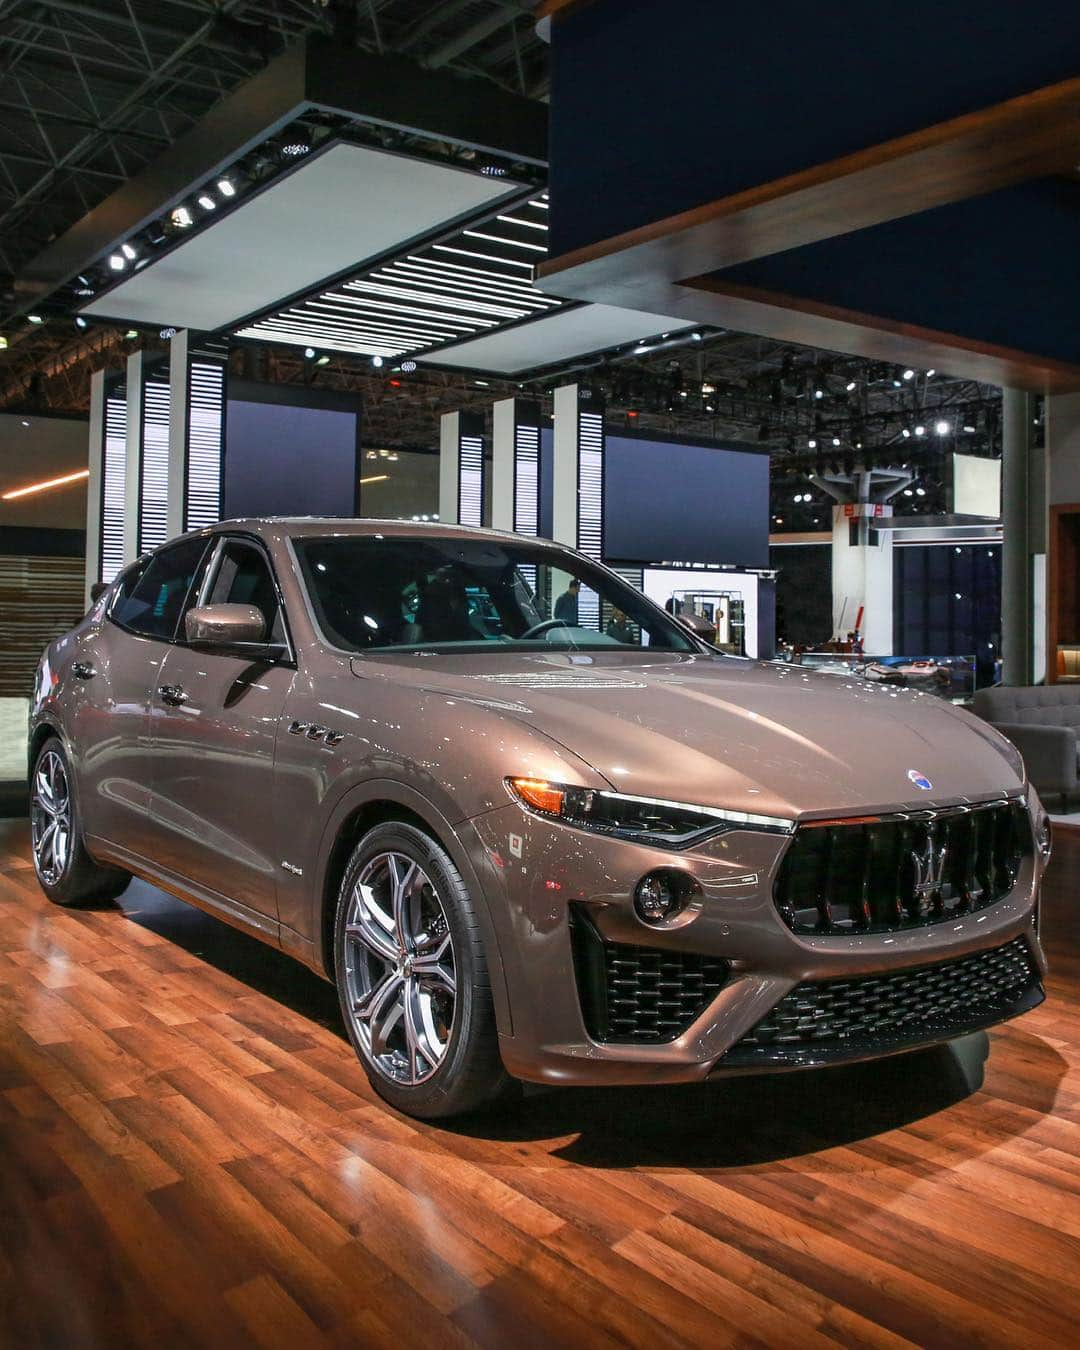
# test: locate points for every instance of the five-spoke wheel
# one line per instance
(50, 818)
(412, 975)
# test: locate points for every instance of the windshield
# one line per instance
(424, 593)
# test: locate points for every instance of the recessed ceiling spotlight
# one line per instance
(812, 443)
(182, 217)
(323, 360)
(128, 252)
(206, 201)
(920, 430)
(34, 318)
(309, 353)
(167, 333)
(929, 373)
(407, 367)
(819, 393)
(80, 322)
(942, 428)
(905, 433)
(3, 343)
(909, 374)
(131, 333)
(493, 171)
(376, 361)
(850, 386)
(920, 492)
(116, 262)
(836, 440)
(968, 427)
(226, 187)
(294, 148)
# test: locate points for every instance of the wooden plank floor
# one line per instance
(190, 1156)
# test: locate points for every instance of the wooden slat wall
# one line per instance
(40, 598)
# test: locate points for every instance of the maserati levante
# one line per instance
(532, 826)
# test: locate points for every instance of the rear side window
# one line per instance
(152, 603)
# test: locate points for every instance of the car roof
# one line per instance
(306, 526)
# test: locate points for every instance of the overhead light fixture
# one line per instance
(407, 367)
(920, 430)
(493, 171)
(45, 485)
(131, 333)
(942, 428)
(182, 217)
(905, 433)
(167, 333)
(309, 353)
(3, 343)
(812, 443)
(920, 492)
(116, 262)
(850, 386)
(80, 322)
(206, 201)
(128, 252)
(819, 393)
(34, 318)
(377, 361)
(836, 440)
(323, 360)
(968, 427)
(929, 373)
(375, 478)
(909, 374)
(226, 187)
(294, 148)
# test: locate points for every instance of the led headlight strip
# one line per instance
(645, 820)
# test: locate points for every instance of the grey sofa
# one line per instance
(1043, 722)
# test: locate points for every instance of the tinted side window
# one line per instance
(152, 605)
(244, 578)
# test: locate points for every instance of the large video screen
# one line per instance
(284, 459)
(672, 501)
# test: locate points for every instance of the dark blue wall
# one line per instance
(281, 459)
(657, 107)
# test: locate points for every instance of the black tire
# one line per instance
(67, 875)
(469, 1074)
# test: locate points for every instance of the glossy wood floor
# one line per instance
(190, 1156)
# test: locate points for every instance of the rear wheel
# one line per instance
(412, 977)
(66, 872)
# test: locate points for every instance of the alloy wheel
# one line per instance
(50, 818)
(400, 972)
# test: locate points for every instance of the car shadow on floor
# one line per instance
(737, 1122)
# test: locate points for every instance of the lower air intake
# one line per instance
(857, 1018)
(639, 994)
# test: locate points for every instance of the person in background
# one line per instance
(566, 607)
(621, 629)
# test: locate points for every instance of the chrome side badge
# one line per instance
(920, 780)
(292, 867)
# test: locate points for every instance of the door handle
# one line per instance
(172, 694)
(83, 670)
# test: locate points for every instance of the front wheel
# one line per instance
(65, 871)
(412, 977)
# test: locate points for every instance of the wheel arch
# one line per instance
(374, 803)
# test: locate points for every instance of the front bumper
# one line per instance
(547, 884)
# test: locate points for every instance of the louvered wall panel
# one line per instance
(40, 598)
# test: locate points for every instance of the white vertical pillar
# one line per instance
(94, 483)
(449, 462)
(564, 467)
(503, 426)
(515, 467)
(133, 455)
(461, 468)
(862, 576)
(179, 386)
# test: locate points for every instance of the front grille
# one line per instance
(818, 1023)
(878, 876)
(639, 994)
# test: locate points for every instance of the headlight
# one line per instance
(643, 820)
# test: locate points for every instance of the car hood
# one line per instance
(750, 736)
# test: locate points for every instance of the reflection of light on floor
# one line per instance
(14, 713)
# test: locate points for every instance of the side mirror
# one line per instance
(225, 625)
(699, 625)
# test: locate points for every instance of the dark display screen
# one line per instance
(286, 460)
(668, 501)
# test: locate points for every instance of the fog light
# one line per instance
(660, 896)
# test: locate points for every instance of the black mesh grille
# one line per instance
(639, 994)
(880, 876)
(837, 1019)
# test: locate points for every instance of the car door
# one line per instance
(112, 675)
(214, 725)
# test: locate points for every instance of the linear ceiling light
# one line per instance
(45, 485)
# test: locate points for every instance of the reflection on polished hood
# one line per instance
(769, 739)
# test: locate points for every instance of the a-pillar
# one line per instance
(578, 483)
(515, 466)
(461, 468)
(196, 433)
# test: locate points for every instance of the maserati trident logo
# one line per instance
(929, 864)
(920, 780)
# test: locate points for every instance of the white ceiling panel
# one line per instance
(571, 332)
(335, 210)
